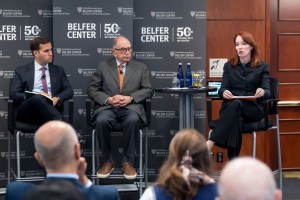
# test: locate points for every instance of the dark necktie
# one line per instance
(44, 82)
(121, 76)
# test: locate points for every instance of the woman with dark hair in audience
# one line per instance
(186, 172)
(244, 75)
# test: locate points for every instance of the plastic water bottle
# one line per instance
(188, 76)
(180, 76)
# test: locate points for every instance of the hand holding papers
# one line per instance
(246, 98)
(29, 94)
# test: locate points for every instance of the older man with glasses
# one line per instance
(119, 86)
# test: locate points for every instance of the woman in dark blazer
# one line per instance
(244, 75)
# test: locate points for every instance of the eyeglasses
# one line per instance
(124, 50)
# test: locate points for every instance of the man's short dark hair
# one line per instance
(35, 43)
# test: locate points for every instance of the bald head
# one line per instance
(55, 143)
(247, 179)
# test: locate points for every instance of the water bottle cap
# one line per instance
(180, 63)
(189, 63)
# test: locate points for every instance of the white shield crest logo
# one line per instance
(80, 111)
(79, 70)
(153, 151)
(120, 150)
(172, 132)
(58, 50)
(172, 53)
(40, 12)
(0, 11)
(3, 154)
(2, 113)
(153, 13)
(153, 112)
(1, 73)
(120, 9)
(99, 50)
(20, 52)
(79, 9)
(193, 13)
(153, 73)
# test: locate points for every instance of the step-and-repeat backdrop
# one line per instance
(162, 34)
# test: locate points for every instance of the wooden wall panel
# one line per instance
(289, 126)
(290, 153)
(288, 52)
(289, 9)
(220, 37)
(236, 9)
(224, 19)
(289, 91)
(289, 112)
(275, 25)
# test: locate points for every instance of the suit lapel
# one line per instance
(129, 72)
(113, 70)
(53, 77)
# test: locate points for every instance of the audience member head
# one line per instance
(245, 178)
(122, 49)
(57, 147)
(171, 176)
(56, 189)
(248, 39)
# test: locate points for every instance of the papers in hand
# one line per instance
(29, 94)
(246, 98)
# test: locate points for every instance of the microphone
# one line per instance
(44, 76)
(121, 71)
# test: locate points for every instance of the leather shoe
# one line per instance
(105, 170)
(129, 171)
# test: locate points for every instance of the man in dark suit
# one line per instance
(58, 151)
(42, 77)
(119, 86)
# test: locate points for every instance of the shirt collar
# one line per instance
(37, 65)
(62, 175)
(118, 63)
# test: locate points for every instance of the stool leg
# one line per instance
(279, 152)
(93, 154)
(8, 158)
(254, 144)
(141, 162)
(146, 157)
(18, 155)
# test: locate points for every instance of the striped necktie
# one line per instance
(44, 82)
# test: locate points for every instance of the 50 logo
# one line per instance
(111, 28)
(31, 30)
(184, 31)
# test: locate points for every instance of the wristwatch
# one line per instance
(132, 100)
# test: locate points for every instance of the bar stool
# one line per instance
(270, 109)
(142, 172)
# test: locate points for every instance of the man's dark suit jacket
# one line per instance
(24, 80)
(105, 83)
(18, 190)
